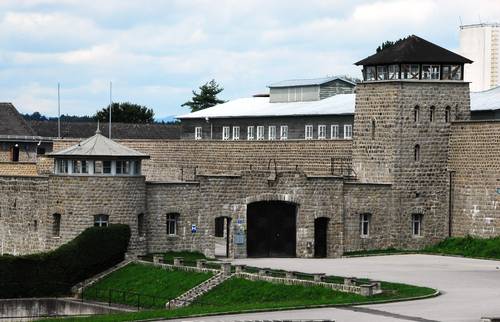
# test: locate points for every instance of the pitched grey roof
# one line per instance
(309, 82)
(12, 123)
(99, 146)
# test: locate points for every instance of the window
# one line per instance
(452, 72)
(137, 167)
(250, 133)
(172, 223)
(225, 132)
(370, 73)
(198, 133)
(236, 132)
(76, 166)
(393, 71)
(106, 167)
(122, 167)
(260, 133)
(447, 114)
(430, 71)
(101, 220)
(373, 129)
(272, 132)
(410, 71)
(309, 132)
(382, 73)
(334, 134)
(416, 221)
(321, 132)
(432, 114)
(140, 225)
(364, 224)
(284, 132)
(85, 166)
(416, 114)
(417, 153)
(347, 131)
(62, 166)
(56, 225)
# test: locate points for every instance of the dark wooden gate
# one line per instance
(320, 237)
(271, 229)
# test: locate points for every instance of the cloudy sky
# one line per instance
(156, 51)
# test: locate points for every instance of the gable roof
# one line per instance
(260, 106)
(120, 130)
(99, 146)
(12, 123)
(414, 49)
(310, 82)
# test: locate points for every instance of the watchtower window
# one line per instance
(447, 114)
(416, 114)
(101, 220)
(432, 113)
(417, 153)
(56, 225)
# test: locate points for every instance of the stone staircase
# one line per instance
(188, 297)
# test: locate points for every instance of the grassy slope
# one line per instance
(238, 294)
(148, 280)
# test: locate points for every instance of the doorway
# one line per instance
(320, 237)
(222, 234)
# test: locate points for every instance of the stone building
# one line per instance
(415, 171)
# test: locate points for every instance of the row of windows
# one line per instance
(413, 71)
(122, 167)
(365, 222)
(258, 132)
(432, 114)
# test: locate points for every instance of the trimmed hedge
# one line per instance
(54, 273)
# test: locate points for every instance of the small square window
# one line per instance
(101, 220)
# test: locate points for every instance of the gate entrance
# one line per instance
(271, 229)
(320, 237)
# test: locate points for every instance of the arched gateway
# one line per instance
(271, 229)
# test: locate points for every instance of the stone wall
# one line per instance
(475, 158)
(23, 208)
(18, 169)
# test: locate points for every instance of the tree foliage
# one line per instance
(386, 44)
(126, 113)
(207, 97)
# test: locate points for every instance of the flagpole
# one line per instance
(110, 105)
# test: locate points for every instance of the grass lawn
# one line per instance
(238, 294)
(160, 284)
(468, 247)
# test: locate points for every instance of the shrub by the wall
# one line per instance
(55, 272)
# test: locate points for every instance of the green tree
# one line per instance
(388, 44)
(126, 113)
(207, 97)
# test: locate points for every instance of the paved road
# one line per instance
(470, 287)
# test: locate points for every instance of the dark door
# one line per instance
(320, 236)
(15, 154)
(271, 229)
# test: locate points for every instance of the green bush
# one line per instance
(55, 272)
(468, 247)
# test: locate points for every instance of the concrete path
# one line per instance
(470, 287)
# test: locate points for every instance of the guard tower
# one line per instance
(410, 94)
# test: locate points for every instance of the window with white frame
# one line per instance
(284, 132)
(236, 132)
(334, 131)
(308, 135)
(321, 132)
(101, 220)
(122, 167)
(260, 132)
(250, 133)
(272, 132)
(364, 224)
(225, 132)
(382, 72)
(62, 166)
(410, 71)
(198, 133)
(370, 72)
(172, 219)
(348, 131)
(393, 71)
(416, 223)
(430, 71)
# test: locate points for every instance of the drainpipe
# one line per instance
(450, 203)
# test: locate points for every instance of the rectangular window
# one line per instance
(198, 133)
(101, 220)
(236, 132)
(122, 167)
(106, 167)
(56, 225)
(452, 72)
(308, 132)
(63, 166)
(364, 224)
(76, 166)
(417, 224)
(393, 71)
(370, 73)
(410, 71)
(172, 224)
(98, 167)
(347, 131)
(382, 73)
(321, 132)
(250, 133)
(284, 132)
(430, 71)
(85, 166)
(225, 132)
(334, 131)
(137, 168)
(272, 132)
(260, 132)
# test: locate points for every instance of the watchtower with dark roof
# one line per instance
(409, 95)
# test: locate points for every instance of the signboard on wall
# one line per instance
(194, 229)
(239, 238)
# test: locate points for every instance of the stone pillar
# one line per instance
(200, 263)
(319, 277)
(240, 268)
(366, 289)
(377, 286)
(158, 259)
(226, 268)
(350, 281)
(290, 275)
(263, 271)
(178, 261)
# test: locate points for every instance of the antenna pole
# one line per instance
(58, 110)
(110, 105)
